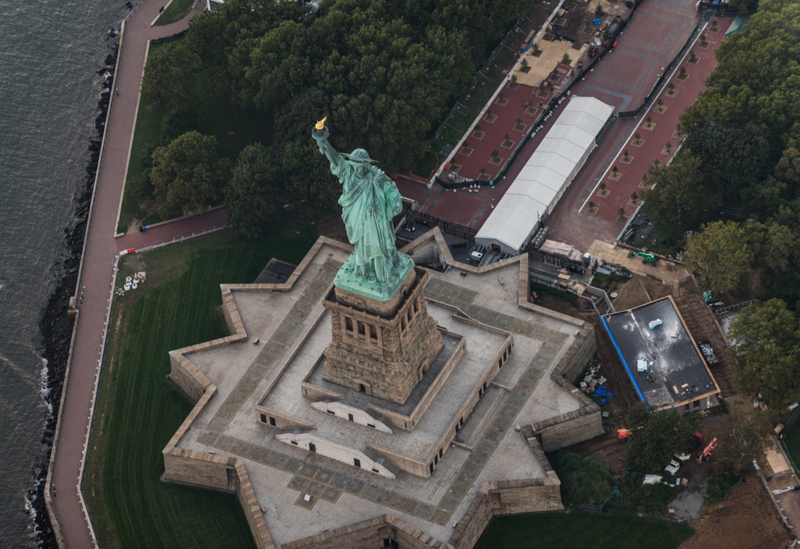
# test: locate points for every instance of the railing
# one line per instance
(467, 233)
(724, 311)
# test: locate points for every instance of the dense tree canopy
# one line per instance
(188, 174)
(383, 72)
(679, 202)
(758, 76)
(168, 75)
(719, 255)
(731, 160)
(767, 351)
(387, 69)
(252, 192)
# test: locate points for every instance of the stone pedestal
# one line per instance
(381, 348)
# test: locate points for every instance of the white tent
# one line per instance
(546, 175)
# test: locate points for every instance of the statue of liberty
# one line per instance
(369, 202)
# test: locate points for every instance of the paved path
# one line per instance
(99, 252)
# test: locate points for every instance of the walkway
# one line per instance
(97, 270)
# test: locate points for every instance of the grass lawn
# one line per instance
(138, 410)
(175, 12)
(213, 114)
(580, 529)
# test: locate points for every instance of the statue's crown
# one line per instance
(359, 155)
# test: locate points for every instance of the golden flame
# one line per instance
(321, 123)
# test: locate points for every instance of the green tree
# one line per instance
(720, 255)
(732, 160)
(188, 174)
(583, 480)
(775, 246)
(661, 436)
(757, 79)
(252, 193)
(767, 352)
(638, 414)
(678, 202)
(169, 75)
(309, 187)
(745, 434)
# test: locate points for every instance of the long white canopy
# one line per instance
(546, 175)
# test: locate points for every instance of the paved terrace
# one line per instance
(655, 137)
(281, 474)
(418, 444)
(570, 221)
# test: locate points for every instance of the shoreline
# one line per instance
(55, 325)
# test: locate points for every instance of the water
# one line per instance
(50, 52)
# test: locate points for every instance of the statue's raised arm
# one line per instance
(320, 134)
(369, 201)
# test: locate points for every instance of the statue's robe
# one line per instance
(368, 205)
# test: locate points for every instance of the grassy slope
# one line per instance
(176, 11)
(138, 410)
(580, 529)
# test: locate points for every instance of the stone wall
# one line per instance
(252, 511)
(578, 355)
(571, 428)
(188, 379)
(508, 497)
(370, 534)
(367, 534)
(578, 425)
(196, 468)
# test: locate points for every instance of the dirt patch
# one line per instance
(746, 520)
(608, 450)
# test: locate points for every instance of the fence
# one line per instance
(606, 509)
(467, 233)
(725, 311)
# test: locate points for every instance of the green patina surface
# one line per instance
(369, 201)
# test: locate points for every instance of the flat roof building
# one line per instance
(661, 357)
